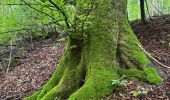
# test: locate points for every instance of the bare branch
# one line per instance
(46, 6)
(32, 4)
(15, 30)
(152, 57)
(62, 11)
(15, 4)
(157, 9)
(25, 29)
(10, 55)
(148, 10)
(56, 21)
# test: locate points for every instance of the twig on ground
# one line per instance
(152, 57)
(10, 55)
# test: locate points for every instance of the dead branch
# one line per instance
(152, 57)
(56, 21)
(10, 56)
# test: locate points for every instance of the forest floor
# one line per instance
(39, 63)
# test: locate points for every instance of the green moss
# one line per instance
(132, 73)
(132, 51)
(82, 67)
(149, 74)
(97, 85)
(65, 73)
(65, 87)
(52, 82)
(152, 75)
(15, 61)
(127, 45)
(61, 83)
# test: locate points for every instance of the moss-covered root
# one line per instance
(133, 73)
(49, 85)
(66, 84)
(52, 82)
(64, 88)
(33, 97)
(128, 46)
(149, 74)
(152, 76)
(97, 83)
(69, 61)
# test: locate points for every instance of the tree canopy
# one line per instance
(19, 16)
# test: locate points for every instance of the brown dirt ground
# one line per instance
(34, 71)
(39, 64)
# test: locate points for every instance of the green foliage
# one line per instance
(133, 9)
(79, 15)
(154, 7)
(169, 44)
(72, 47)
(61, 40)
(142, 91)
(21, 17)
(120, 82)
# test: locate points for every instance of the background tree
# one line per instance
(142, 10)
(101, 47)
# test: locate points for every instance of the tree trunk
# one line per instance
(142, 10)
(110, 50)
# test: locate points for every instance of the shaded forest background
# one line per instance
(19, 21)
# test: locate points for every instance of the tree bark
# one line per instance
(142, 10)
(110, 50)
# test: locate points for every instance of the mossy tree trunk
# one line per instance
(110, 50)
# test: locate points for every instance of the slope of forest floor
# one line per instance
(34, 71)
(39, 63)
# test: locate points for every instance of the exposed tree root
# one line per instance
(97, 83)
(82, 79)
(65, 87)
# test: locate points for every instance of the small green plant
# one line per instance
(162, 41)
(61, 40)
(168, 35)
(55, 46)
(121, 82)
(139, 92)
(73, 46)
(169, 44)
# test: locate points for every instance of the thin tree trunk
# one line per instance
(142, 9)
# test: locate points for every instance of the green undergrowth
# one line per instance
(15, 61)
